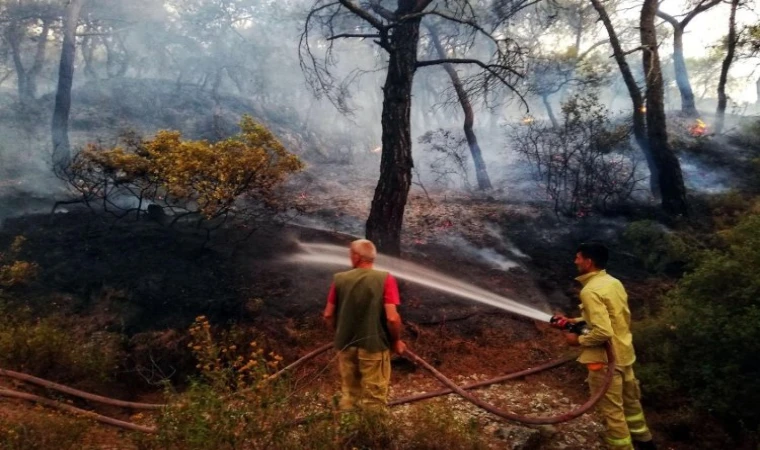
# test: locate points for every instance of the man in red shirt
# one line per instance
(361, 309)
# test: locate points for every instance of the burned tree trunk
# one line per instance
(550, 111)
(386, 216)
(688, 106)
(60, 127)
(671, 178)
(484, 182)
(27, 79)
(720, 113)
(639, 110)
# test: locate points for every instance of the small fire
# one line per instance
(527, 120)
(643, 110)
(699, 128)
(377, 150)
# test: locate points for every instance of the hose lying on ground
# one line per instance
(517, 417)
(82, 412)
(452, 388)
(77, 393)
(511, 376)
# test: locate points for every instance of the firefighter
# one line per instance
(361, 309)
(604, 307)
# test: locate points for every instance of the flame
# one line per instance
(643, 110)
(699, 128)
(527, 120)
(377, 150)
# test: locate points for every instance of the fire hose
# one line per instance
(462, 390)
(452, 388)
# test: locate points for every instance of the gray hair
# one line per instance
(365, 249)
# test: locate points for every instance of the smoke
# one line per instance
(178, 65)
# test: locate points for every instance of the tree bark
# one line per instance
(60, 127)
(386, 216)
(27, 79)
(13, 36)
(484, 182)
(720, 113)
(639, 110)
(688, 106)
(550, 111)
(671, 179)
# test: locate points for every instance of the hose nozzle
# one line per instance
(563, 323)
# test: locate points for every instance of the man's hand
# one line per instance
(560, 321)
(572, 339)
(399, 347)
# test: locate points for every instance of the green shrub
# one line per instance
(727, 209)
(237, 403)
(57, 348)
(707, 341)
(43, 432)
(661, 250)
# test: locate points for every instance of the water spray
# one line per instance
(338, 255)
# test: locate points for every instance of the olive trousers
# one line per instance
(365, 378)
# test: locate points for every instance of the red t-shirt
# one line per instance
(390, 292)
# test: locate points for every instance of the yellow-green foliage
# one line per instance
(196, 175)
(14, 272)
(706, 343)
(225, 366)
(236, 403)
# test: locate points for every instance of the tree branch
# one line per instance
(633, 51)
(422, 4)
(493, 69)
(668, 18)
(454, 19)
(703, 6)
(383, 12)
(488, 67)
(596, 44)
(363, 14)
(353, 35)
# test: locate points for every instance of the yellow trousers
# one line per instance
(621, 407)
(365, 378)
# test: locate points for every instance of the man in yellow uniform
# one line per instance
(604, 307)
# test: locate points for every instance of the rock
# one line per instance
(519, 438)
(546, 431)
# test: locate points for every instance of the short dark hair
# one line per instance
(595, 251)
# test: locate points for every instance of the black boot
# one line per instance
(648, 445)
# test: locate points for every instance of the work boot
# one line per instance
(648, 445)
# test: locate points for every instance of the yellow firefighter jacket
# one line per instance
(604, 306)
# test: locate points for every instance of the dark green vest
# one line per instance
(360, 310)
